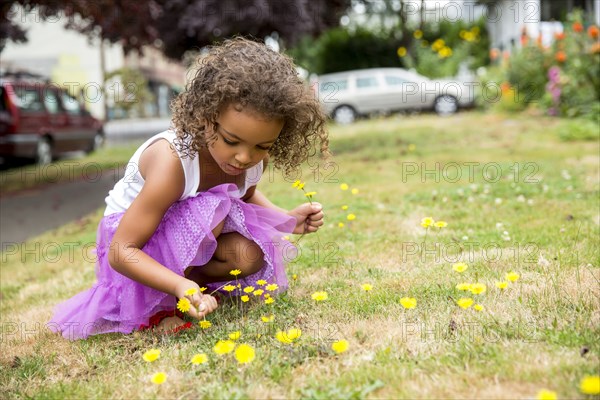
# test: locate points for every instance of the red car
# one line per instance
(41, 121)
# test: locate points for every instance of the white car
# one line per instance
(347, 95)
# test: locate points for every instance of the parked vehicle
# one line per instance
(348, 95)
(41, 121)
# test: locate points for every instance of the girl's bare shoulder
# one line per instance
(161, 169)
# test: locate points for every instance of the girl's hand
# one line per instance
(202, 304)
(309, 217)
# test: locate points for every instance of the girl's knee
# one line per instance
(218, 229)
(249, 256)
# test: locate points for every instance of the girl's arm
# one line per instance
(164, 182)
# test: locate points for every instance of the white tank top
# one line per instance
(126, 190)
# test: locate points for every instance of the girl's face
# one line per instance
(243, 139)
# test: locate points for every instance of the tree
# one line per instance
(176, 26)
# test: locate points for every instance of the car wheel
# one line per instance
(97, 143)
(445, 105)
(344, 115)
(43, 153)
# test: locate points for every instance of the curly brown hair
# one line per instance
(240, 71)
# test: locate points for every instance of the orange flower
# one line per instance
(505, 87)
(593, 31)
(561, 57)
(578, 27)
(559, 36)
(595, 48)
(494, 53)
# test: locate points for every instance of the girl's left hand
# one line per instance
(309, 217)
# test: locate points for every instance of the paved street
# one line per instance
(34, 211)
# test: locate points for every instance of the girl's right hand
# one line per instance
(203, 304)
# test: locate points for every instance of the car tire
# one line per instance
(97, 142)
(43, 151)
(344, 115)
(445, 105)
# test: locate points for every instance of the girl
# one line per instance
(187, 210)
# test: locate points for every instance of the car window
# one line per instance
(28, 99)
(341, 84)
(395, 80)
(366, 82)
(3, 101)
(70, 105)
(51, 101)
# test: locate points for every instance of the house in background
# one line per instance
(509, 19)
(70, 59)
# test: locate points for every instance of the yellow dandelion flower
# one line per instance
(245, 298)
(229, 288)
(440, 224)
(545, 394)
(295, 276)
(351, 217)
(412, 147)
(235, 335)
(418, 34)
(269, 300)
(590, 385)
(235, 272)
(502, 285)
(191, 292)
(408, 302)
(258, 292)
(427, 222)
(512, 276)
(261, 282)
(272, 287)
(478, 307)
(460, 267)
(224, 347)
(340, 346)
(267, 295)
(296, 183)
(159, 378)
(199, 358)
(184, 304)
(344, 186)
(478, 288)
(465, 302)
(267, 318)
(203, 289)
(244, 353)
(366, 287)
(204, 324)
(401, 51)
(310, 194)
(354, 191)
(340, 224)
(290, 336)
(151, 355)
(344, 207)
(463, 286)
(249, 289)
(319, 296)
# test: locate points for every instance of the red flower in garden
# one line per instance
(593, 31)
(505, 87)
(561, 57)
(494, 53)
(578, 27)
(560, 36)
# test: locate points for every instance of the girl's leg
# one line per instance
(233, 251)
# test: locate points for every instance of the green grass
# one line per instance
(64, 170)
(541, 332)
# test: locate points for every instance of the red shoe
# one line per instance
(155, 320)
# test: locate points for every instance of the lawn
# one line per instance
(516, 199)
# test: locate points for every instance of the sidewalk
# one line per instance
(123, 130)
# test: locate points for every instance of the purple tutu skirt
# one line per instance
(184, 238)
